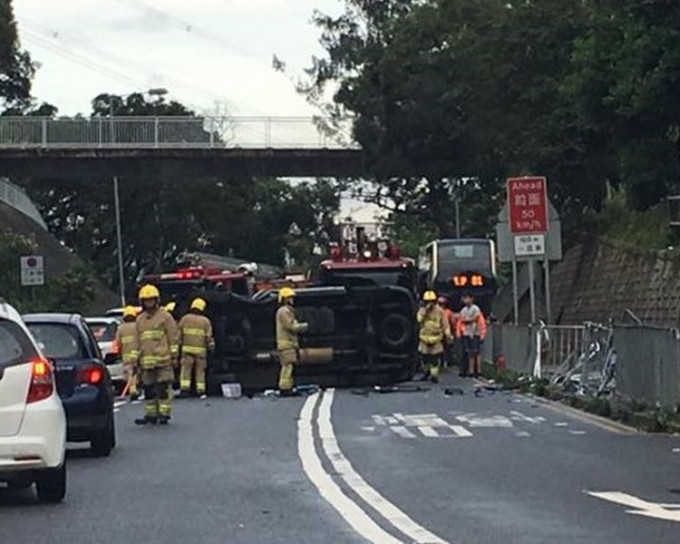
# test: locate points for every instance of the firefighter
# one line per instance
(450, 317)
(196, 340)
(170, 308)
(434, 331)
(287, 344)
(158, 350)
(126, 340)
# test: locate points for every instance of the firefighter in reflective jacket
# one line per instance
(434, 331)
(287, 330)
(126, 340)
(158, 351)
(196, 340)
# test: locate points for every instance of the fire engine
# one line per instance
(367, 258)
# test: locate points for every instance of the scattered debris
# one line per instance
(451, 391)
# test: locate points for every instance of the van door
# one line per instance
(16, 357)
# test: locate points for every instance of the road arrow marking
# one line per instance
(640, 507)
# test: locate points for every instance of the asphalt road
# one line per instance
(343, 467)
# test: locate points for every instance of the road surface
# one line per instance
(344, 467)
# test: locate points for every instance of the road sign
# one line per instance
(528, 205)
(505, 241)
(32, 270)
(529, 245)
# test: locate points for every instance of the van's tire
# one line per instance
(394, 331)
(104, 441)
(51, 485)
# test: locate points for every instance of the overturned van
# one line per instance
(357, 336)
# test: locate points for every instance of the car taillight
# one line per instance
(90, 375)
(42, 381)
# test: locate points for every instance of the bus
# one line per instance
(453, 267)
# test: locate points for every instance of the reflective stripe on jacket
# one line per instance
(434, 326)
(157, 338)
(126, 338)
(195, 335)
(287, 329)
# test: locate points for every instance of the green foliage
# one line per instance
(72, 291)
(442, 92)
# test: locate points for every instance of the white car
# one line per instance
(104, 331)
(32, 419)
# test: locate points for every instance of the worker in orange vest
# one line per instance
(472, 330)
(451, 318)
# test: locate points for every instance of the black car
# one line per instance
(83, 381)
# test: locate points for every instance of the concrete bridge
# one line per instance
(35, 147)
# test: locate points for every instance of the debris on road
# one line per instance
(451, 391)
(384, 389)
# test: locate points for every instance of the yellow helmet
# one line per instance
(170, 307)
(149, 291)
(429, 296)
(285, 293)
(199, 304)
(129, 311)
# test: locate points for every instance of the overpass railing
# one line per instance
(172, 132)
(15, 197)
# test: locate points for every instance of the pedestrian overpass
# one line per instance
(97, 147)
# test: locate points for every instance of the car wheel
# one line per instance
(104, 441)
(51, 485)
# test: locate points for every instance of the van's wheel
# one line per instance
(394, 331)
(51, 485)
(104, 441)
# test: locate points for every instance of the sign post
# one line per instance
(528, 222)
(32, 271)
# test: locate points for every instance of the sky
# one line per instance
(209, 54)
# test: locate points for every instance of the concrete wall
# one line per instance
(600, 279)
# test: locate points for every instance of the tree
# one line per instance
(16, 68)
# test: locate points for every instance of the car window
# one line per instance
(59, 341)
(15, 345)
(103, 331)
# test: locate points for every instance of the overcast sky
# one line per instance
(202, 51)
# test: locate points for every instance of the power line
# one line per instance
(45, 44)
(186, 26)
(50, 34)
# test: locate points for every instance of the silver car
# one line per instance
(104, 330)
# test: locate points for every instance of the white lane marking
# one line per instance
(640, 507)
(522, 434)
(676, 450)
(328, 489)
(578, 433)
(428, 431)
(119, 403)
(402, 431)
(345, 470)
(385, 420)
(519, 416)
(562, 424)
(368, 429)
(475, 420)
(462, 432)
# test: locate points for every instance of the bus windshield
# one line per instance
(463, 257)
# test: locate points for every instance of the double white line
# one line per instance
(349, 509)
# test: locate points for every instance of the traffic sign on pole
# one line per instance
(527, 205)
(32, 270)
